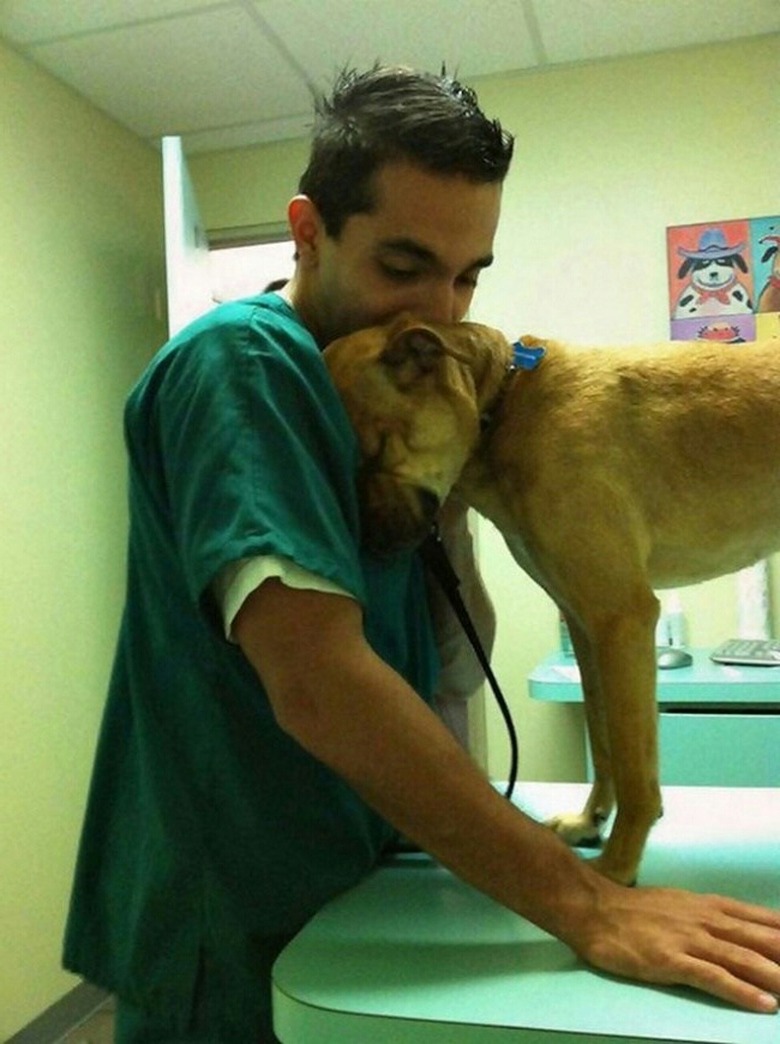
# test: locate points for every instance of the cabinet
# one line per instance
(719, 725)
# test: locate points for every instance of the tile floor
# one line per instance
(97, 1029)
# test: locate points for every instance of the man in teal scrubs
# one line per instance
(267, 729)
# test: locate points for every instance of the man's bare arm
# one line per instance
(345, 706)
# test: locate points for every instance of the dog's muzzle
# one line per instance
(394, 515)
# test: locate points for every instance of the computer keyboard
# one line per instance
(750, 652)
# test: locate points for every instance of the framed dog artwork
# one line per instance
(724, 280)
(724, 288)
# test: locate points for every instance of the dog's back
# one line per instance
(683, 438)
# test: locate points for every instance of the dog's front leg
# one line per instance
(584, 828)
(625, 660)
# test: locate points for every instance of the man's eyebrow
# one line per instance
(412, 248)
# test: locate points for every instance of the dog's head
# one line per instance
(414, 392)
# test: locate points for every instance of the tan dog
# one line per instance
(609, 472)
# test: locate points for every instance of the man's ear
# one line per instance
(412, 353)
(306, 227)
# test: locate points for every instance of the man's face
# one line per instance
(420, 250)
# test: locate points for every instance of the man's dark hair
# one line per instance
(394, 113)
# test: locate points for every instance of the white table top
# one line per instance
(414, 955)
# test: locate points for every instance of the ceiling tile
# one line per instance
(471, 37)
(230, 72)
(207, 70)
(242, 134)
(29, 21)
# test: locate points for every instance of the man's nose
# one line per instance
(439, 304)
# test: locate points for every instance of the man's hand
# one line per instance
(726, 948)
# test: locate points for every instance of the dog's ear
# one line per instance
(741, 262)
(684, 268)
(411, 354)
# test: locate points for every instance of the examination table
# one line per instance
(414, 956)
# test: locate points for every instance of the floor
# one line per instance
(97, 1029)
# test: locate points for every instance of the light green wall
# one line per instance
(607, 156)
(82, 271)
(247, 187)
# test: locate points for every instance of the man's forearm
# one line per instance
(353, 712)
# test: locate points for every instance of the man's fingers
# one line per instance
(731, 988)
(723, 947)
(741, 959)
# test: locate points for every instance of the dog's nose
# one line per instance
(394, 516)
(429, 503)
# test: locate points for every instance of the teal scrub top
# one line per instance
(208, 829)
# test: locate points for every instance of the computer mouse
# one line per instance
(671, 657)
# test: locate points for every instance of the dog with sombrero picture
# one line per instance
(714, 286)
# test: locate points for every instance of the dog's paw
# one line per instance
(576, 829)
(627, 877)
